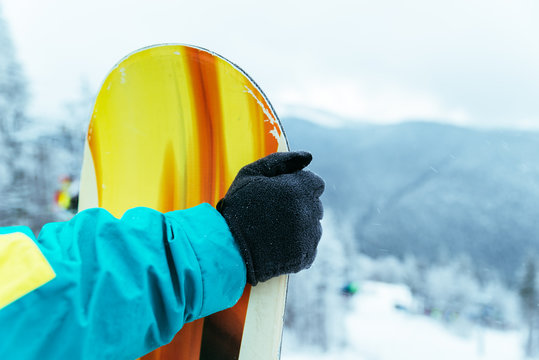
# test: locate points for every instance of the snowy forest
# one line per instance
(430, 230)
(34, 155)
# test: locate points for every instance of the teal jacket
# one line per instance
(97, 287)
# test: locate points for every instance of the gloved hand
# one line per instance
(273, 211)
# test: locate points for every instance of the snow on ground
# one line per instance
(376, 330)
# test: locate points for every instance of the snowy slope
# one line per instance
(376, 330)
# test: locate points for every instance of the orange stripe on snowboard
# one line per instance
(219, 335)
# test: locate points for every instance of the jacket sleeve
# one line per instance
(122, 287)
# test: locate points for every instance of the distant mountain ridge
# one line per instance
(433, 190)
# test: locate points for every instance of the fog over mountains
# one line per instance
(432, 190)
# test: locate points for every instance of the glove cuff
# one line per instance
(240, 241)
(247, 258)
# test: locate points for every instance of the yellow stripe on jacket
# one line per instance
(23, 268)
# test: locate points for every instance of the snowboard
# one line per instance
(171, 127)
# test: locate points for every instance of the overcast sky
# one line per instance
(462, 61)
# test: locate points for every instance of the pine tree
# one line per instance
(528, 296)
(13, 86)
(13, 99)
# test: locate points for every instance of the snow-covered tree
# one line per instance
(316, 306)
(13, 90)
(13, 98)
(529, 298)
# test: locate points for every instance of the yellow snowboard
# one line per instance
(171, 127)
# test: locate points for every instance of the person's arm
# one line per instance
(120, 287)
(101, 288)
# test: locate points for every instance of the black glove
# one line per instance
(274, 211)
